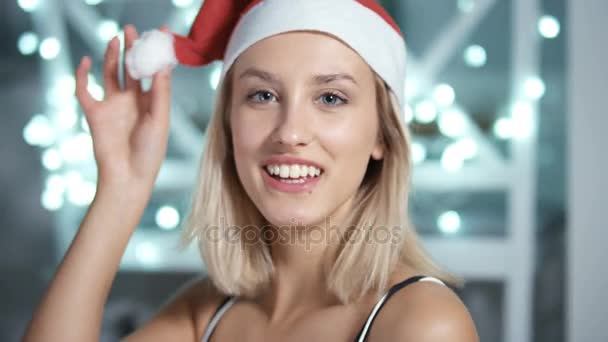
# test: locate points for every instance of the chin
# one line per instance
(294, 216)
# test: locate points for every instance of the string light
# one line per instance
(449, 222)
(426, 112)
(444, 95)
(56, 183)
(522, 115)
(77, 148)
(455, 154)
(167, 218)
(452, 159)
(475, 56)
(27, 44)
(52, 196)
(107, 29)
(79, 191)
(418, 153)
(548, 27)
(503, 128)
(28, 5)
(534, 88)
(467, 148)
(51, 159)
(452, 123)
(50, 48)
(51, 201)
(39, 131)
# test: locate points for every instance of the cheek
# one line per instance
(352, 141)
(248, 136)
(350, 147)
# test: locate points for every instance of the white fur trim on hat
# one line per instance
(362, 29)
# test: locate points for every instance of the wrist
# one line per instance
(129, 194)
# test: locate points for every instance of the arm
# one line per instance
(72, 307)
(130, 132)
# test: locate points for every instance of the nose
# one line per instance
(293, 126)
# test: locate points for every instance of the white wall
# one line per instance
(587, 305)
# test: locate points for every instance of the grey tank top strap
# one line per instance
(221, 310)
(362, 335)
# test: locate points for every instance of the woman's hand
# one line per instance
(130, 131)
(129, 127)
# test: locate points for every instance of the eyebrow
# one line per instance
(317, 79)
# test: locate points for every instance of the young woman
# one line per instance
(301, 207)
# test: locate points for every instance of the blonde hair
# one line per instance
(221, 208)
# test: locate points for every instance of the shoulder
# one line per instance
(201, 298)
(184, 315)
(425, 311)
(199, 294)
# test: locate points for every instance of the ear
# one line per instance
(378, 151)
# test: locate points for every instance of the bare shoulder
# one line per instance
(424, 311)
(184, 315)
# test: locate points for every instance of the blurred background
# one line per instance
(504, 102)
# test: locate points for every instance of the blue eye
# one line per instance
(332, 99)
(261, 96)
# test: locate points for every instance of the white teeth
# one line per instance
(293, 181)
(293, 171)
(284, 171)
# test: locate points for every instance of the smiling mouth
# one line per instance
(293, 174)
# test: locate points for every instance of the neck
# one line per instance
(301, 256)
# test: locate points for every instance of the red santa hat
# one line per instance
(223, 29)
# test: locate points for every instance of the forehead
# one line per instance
(303, 52)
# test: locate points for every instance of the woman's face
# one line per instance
(303, 103)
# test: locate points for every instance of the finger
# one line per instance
(87, 102)
(110, 67)
(164, 28)
(160, 95)
(130, 37)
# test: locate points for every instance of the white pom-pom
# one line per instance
(151, 53)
